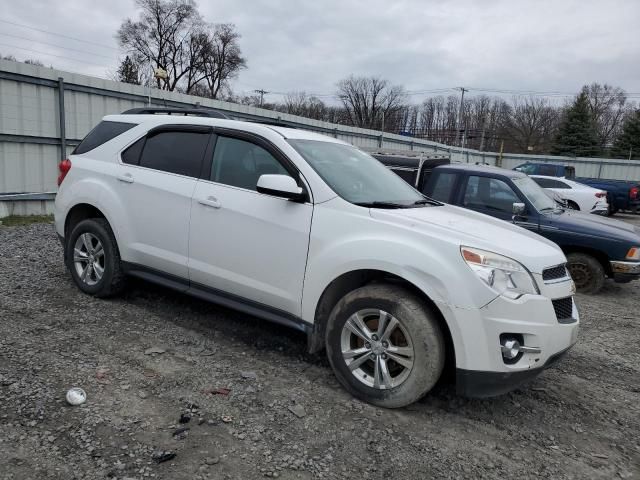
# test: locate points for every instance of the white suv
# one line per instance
(308, 231)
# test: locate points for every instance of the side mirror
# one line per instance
(280, 186)
(519, 209)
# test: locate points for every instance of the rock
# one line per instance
(143, 394)
(212, 460)
(180, 433)
(154, 350)
(249, 375)
(185, 418)
(298, 411)
(161, 456)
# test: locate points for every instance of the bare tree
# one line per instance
(221, 58)
(530, 125)
(300, 103)
(369, 100)
(164, 37)
(608, 109)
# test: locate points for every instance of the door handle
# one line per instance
(210, 202)
(126, 178)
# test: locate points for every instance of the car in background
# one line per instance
(621, 194)
(596, 247)
(576, 195)
(547, 170)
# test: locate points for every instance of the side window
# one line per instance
(489, 193)
(443, 186)
(548, 170)
(544, 182)
(132, 154)
(240, 163)
(559, 184)
(175, 152)
(102, 133)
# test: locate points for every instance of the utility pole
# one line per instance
(262, 93)
(462, 89)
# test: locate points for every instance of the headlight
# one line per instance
(503, 274)
(633, 253)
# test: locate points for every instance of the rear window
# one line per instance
(102, 133)
(443, 186)
(175, 152)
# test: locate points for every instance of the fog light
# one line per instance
(512, 348)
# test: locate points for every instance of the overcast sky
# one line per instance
(539, 45)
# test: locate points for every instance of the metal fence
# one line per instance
(44, 113)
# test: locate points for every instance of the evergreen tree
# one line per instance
(628, 142)
(128, 71)
(577, 134)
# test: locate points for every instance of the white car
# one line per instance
(308, 231)
(576, 195)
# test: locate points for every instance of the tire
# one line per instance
(417, 340)
(573, 205)
(82, 249)
(587, 272)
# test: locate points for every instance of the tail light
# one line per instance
(633, 193)
(64, 166)
(601, 194)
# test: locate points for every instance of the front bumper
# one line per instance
(624, 272)
(479, 384)
(545, 325)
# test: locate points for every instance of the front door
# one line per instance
(494, 197)
(244, 243)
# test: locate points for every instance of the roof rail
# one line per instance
(198, 112)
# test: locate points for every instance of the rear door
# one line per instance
(244, 244)
(156, 180)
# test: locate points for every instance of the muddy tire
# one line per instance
(93, 259)
(385, 345)
(587, 272)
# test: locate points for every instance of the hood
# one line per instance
(472, 229)
(596, 225)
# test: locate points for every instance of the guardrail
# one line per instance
(45, 112)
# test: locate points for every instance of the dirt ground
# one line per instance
(154, 357)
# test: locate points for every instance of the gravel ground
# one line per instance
(254, 405)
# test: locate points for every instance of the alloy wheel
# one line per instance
(377, 349)
(88, 258)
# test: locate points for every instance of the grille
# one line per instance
(554, 273)
(564, 309)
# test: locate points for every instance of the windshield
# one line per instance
(356, 176)
(535, 193)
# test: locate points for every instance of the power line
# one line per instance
(56, 46)
(52, 55)
(58, 34)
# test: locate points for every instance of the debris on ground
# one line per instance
(587, 405)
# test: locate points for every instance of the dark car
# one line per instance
(621, 194)
(595, 247)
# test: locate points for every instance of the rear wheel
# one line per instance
(586, 271)
(573, 205)
(93, 259)
(385, 345)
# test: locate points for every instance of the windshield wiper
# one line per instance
(382, 205)
(427, 201)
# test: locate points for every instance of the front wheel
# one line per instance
(586, 271)
(385, 345)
